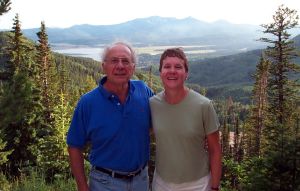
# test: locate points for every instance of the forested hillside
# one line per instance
(231, 75)
(233, 70)
(226, 70)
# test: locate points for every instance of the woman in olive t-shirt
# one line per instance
(183, 120)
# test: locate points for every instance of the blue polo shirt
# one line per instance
(118, 133)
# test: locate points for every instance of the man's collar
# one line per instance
(108, 94)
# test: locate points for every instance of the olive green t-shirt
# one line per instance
(180, 131)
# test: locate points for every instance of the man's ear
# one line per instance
(103, 68)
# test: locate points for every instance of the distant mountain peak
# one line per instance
(158, 31)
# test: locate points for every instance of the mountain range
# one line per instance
(158, 31)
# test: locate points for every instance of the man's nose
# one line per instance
(120, 63)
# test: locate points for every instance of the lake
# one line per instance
(89, 52)
(95, 52)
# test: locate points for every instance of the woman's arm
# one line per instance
(214, 150)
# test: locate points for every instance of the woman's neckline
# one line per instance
(176, 98)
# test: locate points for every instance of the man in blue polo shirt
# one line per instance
(115, 119)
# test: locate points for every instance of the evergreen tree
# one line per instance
(237, 154)
(62, 112)
(45, 69)
(20, 111)
(53, 155)
(15, 49)
(222, 109)
(4, 6)
(258, 111)
(5, 72)
(3, 153)
(20, 104)
(20, 51)
(282, 99)
(295, 144)
(51, 150)
(225, 138)
(89, 84)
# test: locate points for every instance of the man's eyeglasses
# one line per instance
(115, 61)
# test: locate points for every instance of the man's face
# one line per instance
(119, 66)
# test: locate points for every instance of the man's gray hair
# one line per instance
(107, 49)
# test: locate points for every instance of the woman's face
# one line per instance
(173, 73)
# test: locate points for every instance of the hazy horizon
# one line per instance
(64, 13)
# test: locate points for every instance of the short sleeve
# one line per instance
(211, 121)
(76, 136)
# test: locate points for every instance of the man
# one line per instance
(115, 119)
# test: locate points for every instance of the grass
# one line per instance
(36, 182)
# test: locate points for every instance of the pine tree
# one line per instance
(282, 98)
(15, 49)
(295, 143)
(89, 84)
(45, 69)
(282, 89)
(20, 104)
(53, 155)
(225, 129)
(258, 111)
(20, 111)
(4, 6)
(237, 153)
(3, 153)
(51, 150)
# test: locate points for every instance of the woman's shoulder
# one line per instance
(199, 98)
(157, 97)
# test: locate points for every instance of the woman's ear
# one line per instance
(187, 76)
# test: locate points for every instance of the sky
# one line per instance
(66, 13)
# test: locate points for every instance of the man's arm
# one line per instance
(77, 167)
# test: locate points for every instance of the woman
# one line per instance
(183, 121)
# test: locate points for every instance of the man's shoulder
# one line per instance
(139, 83)
(91, 94)
(141, 86)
